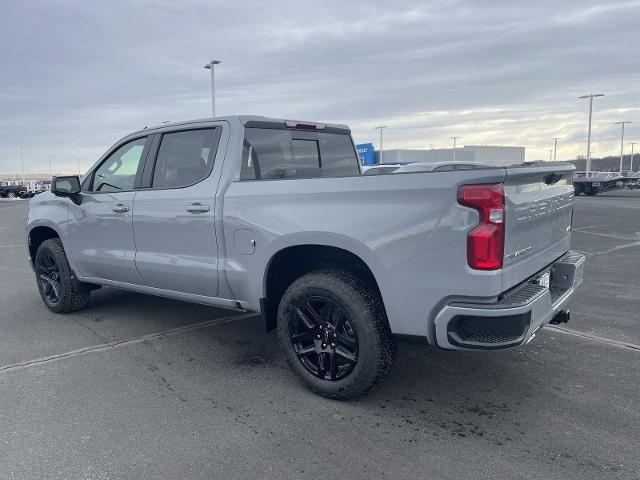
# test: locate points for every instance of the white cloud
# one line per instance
(77, 76)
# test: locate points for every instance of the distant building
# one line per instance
(488, 154)
(365, 153)
(496, 155)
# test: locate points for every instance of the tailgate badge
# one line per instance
(518, 254)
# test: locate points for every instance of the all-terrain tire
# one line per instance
(366, 314)
(69, 300)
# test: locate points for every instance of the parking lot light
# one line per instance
(455, 139)
(555, 147)
(211, 66)
(631, 165)
(381, 127)
(621, 142)
(22, 161)
(590, 97)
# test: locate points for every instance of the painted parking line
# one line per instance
(595, 338)
(119, 343)
(13, 246)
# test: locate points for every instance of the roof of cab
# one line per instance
(252, 120)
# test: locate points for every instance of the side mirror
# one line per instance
(65, 186)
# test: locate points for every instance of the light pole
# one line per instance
(621, 142)
(381, 127)
(555, 147)
(22, 161)
(631, 166)
(590, 97)
(50, 168)
(550, 153)
(211, 66)
(454, 147)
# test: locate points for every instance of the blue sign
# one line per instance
(366, 153)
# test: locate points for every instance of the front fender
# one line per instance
(47, 210)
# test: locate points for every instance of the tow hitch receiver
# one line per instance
(562, 316)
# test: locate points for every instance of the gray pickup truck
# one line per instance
(275, 217)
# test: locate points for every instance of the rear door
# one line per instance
(539, 204)
(174, 215)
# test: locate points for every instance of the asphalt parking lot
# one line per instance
(143, 387)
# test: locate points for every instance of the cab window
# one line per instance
(118, 172)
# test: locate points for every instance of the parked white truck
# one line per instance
(274, 216)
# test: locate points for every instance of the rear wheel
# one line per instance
(55, 279)
(11, 194)
(335, 334)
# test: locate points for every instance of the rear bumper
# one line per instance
(516, 316)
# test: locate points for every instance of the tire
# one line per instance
(591, 191)
(55, 279)
(355, 344)
(11, 195)
(578, 188)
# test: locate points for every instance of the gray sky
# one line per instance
(78, 75)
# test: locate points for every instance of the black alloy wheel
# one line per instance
(323, 337)
(49, 278)
(334, 332)
(59, 289)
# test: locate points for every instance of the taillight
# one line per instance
(485, 243)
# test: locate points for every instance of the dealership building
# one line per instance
(487, 154)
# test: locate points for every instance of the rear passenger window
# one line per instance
(278, 154)
(185, 158)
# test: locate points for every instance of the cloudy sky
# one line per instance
(77, 75)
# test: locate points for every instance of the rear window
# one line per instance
(278, 154)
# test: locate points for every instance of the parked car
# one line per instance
(440, 166)
(42, 186)
(12, 191)
(274, 217)
(381, 168)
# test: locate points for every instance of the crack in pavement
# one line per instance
(120, 343)
(607, 235)
(209, 323)
(595, 338)
(615, 249)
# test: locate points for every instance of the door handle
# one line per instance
(197, 208)
(120, 208)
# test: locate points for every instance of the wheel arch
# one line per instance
(290, 262)
(36, 236)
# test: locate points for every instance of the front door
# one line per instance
(174, 217)
(101, 225)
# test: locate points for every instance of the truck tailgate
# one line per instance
(539, 204)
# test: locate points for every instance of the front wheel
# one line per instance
(335, 333)
(55, 281)
(11, 195)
